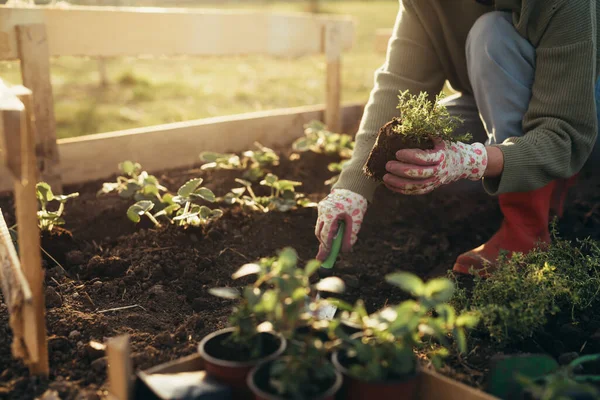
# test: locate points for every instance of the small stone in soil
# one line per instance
(164, 339)
(74, 335)
(94, 350)
(75, 258)
(99, 365)
(53, 299)
(98, 284)
(57, 343)
(75, 295)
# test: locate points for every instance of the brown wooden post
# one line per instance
(333, 55)
(119, 368)
(35, 70)
(29, 232)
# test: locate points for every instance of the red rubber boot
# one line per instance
(560, 194)
(525, 225)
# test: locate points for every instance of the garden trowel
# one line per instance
(327, 311)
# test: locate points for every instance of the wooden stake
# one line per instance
(119, 368)
(333, 55)
(29, 232)
(35, 70)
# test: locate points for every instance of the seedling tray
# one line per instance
(432, 386)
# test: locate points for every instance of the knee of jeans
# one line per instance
(488, 38)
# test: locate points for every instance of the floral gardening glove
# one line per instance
(340, 204)
(421, 171)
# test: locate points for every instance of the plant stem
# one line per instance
(152, 218)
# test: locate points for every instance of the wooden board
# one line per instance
(104, 31)
(120, 368)
(35, 70)
(333, 56)
(432, 386)
(178, 145)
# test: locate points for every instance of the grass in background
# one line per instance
(143, 92)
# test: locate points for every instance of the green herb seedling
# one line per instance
(47, 220)
(135, 183)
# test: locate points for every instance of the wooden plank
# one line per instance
(434, 386)
(93, 157)
(29, 236)
(100, 31)
(11, 109)
(333, 55)
(120, 369)
(35, 70)
(18, 298)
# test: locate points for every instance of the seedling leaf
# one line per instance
(406, 281)
(138, 209)
(225, 292)
(246, 269)
(189, 187)
(331, 284)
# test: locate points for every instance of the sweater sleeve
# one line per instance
(411, 64)
(560, 124)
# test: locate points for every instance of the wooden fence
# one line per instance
(34, 35)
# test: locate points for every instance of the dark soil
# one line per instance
(222, 348)
(387, 144)
(166, 273)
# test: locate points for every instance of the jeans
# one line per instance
(501, 67)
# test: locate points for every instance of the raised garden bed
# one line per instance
(165, 273)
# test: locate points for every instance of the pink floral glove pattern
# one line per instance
(340, 204)
(421, 171)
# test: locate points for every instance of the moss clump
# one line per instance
(516, 301)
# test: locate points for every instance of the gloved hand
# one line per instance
(340, 204)
(421, 171)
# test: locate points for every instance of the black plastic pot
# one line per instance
(234, 373)
(258, 380)
(357, 389)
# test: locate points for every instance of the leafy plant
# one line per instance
(283, 196)
(186, 212)
(135, 183)
(524, 291)
(277, 301)
(255, 162)
(47, 219)
(564, 383)
(389, 336)
(421, 119)
(320, 140)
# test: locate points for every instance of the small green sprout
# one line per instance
(47, 220)
(320, 140)
(283, 195)
(277, 301)
(181, 209)
(135, 183)
(390, 335)
(254, 162)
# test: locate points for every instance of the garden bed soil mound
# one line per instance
(387, 144)
(163, 275)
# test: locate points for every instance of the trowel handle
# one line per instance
(335, 247)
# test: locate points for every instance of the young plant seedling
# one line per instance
(564, 383)
(389, 336)
(320, 140)
(254, 162)
(135, 183)
(183, 206)
(420, 121)
(277, 302)
(335, 167)
(283, 196)
(47, 219)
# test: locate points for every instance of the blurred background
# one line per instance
(103, 95)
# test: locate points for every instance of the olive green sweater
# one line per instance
(428, 47)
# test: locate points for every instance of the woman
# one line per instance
(526, 72)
